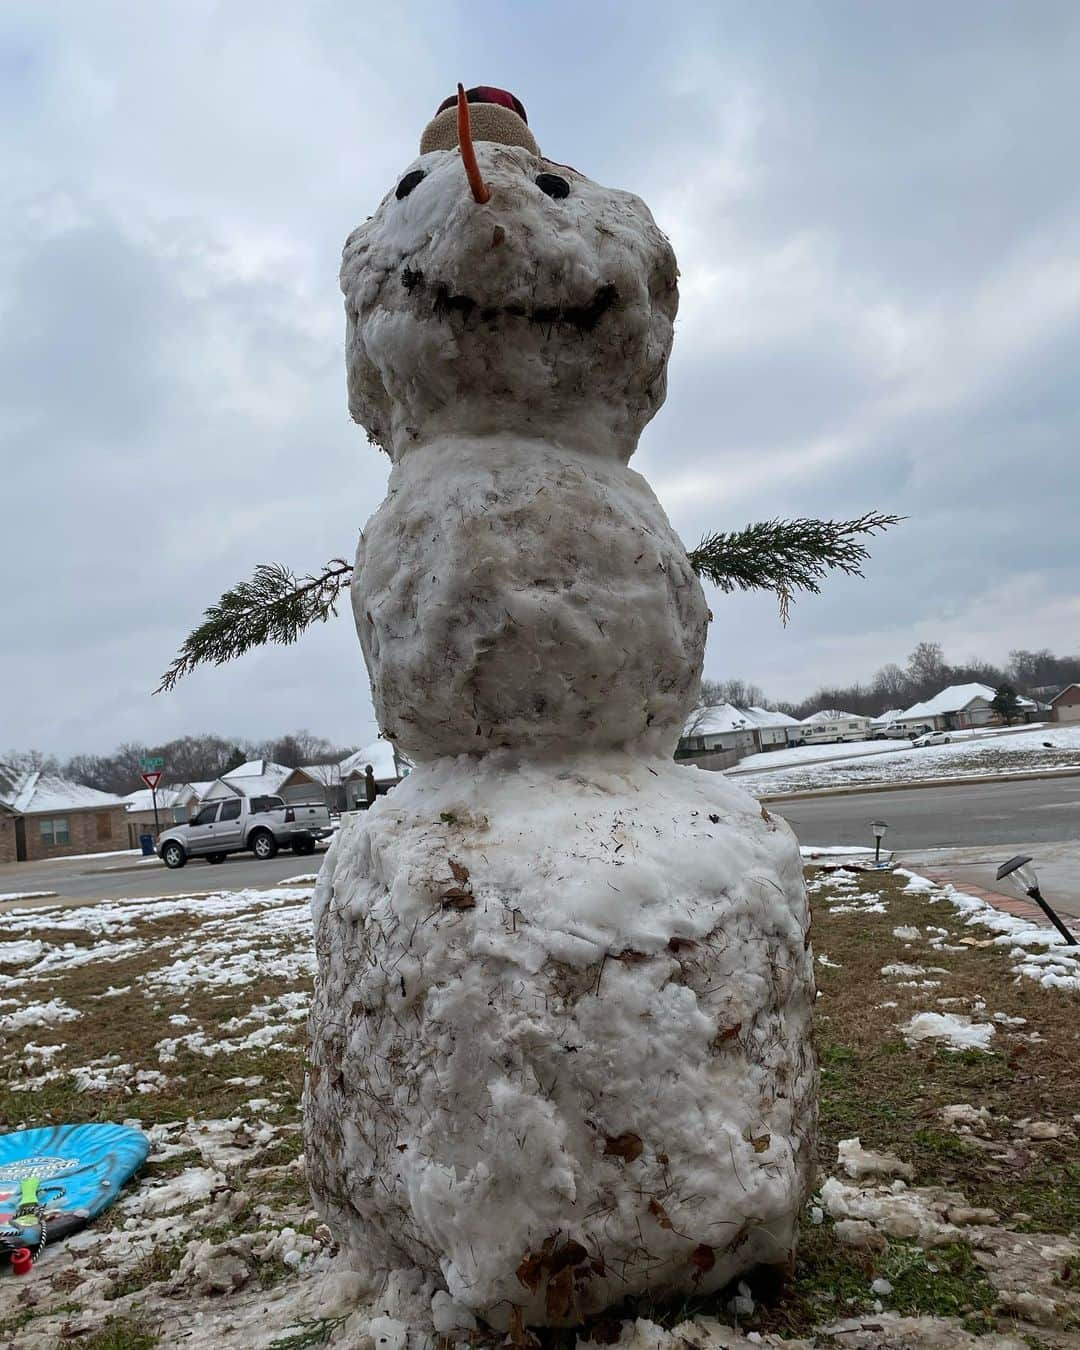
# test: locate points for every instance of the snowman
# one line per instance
(560, 1043)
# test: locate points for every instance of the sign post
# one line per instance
(151, 766)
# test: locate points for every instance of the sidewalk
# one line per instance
(973, 870)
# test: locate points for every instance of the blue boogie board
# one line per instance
(64, 1174)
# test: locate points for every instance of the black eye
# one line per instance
(408, 183)
(553, 185)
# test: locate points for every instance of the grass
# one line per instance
(121, 1333)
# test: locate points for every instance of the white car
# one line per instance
(932, 738)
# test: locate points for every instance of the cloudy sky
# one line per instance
(876, 211)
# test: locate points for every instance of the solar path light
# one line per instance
(1021, 875)
(879, 827)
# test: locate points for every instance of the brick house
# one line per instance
(1065, 707)
(45, 816)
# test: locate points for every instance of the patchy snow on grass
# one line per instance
(1056, 967)
(39, 1015)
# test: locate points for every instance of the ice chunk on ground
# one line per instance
(955, 1030)
(859, 1162)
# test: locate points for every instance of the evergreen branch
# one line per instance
(274, 606)
(786, 556)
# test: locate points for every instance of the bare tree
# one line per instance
(33, 761)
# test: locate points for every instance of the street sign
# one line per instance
(152, 779)
(152, 762)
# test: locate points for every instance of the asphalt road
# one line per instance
(1033, 810)
(123, 878)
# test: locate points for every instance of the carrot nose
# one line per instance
(480, 190)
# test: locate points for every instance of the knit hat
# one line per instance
(494, 114)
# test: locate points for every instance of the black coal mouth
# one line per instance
(444, 302)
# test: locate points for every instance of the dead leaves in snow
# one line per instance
(702, 1258)
(626, 1146)
(460, 895)
(567, 1268)
(660, 1214)
(725, 1034)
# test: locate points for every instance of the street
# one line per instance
(123, 878)
(1034, 810)
(960, 834)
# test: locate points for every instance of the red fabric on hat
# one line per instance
(487, 93)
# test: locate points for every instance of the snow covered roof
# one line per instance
(256, 778)
(14, 782)
(30, 793)
(834, 715)
(954, 699)
(769, 717)
(1062, 692)
(885, 718)
(716, 719)
(379, 754)
(142, 799)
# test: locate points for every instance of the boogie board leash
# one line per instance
(31, 1210)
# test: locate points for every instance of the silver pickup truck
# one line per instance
(260, 825)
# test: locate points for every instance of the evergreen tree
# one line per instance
(1007, 703)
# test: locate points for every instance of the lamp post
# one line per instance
(1021, 875)
(879, 827)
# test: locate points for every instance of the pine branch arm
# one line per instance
(786, 556)
(274, 606)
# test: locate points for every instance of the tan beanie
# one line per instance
(489, 122)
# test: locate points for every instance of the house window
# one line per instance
(54, 833)
(104, 826)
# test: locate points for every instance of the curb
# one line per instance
(971, 780)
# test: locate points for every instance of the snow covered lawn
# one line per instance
(948, 1149)
(1049, 747)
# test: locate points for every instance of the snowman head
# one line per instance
(496, 291)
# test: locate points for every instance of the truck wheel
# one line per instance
(173, 854)
(215, 857)
(303, 847)
(263, 844)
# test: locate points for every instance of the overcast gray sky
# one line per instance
(876, 211)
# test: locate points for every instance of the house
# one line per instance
(957, 708)
(886, 719)
(388, 765)
(342, 786)
(1065, 706)
(256, 778)
(45, 816)
(830, 725)
(175, 805)
(716, 737)
(316, 783)
(771, 729)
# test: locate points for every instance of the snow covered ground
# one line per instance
(186, 1015)
(1048, 747)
